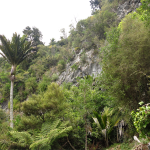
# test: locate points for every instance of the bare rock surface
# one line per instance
(89, 67)
(127, 7)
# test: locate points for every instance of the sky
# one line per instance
(49, 16)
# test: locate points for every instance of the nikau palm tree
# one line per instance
(106, 121)
(14, 51)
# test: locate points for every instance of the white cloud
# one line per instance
(49, 16)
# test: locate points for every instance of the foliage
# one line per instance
(20, 139)
(141, 119)
(144, 11)
(42, 86)
(31, 85)
(14, 51)
(90, 31)
(95, 4)
(16, 105)
(106, 121)
(54, 77)
(125, 70)
(61, 65)
(4, 128)
(75, 66)
(52, 41)
(83, 58)
(2, 116)
(124, 81)
(48, 105)
(50, 132)
(34, 35)
(10, 51)
(4, 86)
(83, 100)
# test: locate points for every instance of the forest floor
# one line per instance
(128, 146)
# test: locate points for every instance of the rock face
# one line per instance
(4, 106)
(91, 67)
(127, 7)
(78, 68)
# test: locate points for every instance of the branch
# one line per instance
(70, 144)
(63, 145)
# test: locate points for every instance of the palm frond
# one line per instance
(100, 120)
(4, 55)
(5, 48)
(16, 50)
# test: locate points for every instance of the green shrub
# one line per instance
(61, 65)
(54, 77)
(16, 104)
(77, 50)
(141, 120)
(42, 86)
(31, 85)
(83, 58)
(75, 66)
(42, 107)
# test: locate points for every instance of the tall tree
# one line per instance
(34, 35)
(14, 51)
(52, 41)
(95, 5)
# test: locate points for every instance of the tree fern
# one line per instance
(49, 133)
(20, 139)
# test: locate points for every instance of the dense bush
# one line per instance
(141, 120)
(125, 68)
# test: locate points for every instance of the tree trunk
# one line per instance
(85, 133)
(107, 140)
(11, 103)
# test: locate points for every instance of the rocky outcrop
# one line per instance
(77, 68)
(127, 7)
(91, 67)
(4, 105)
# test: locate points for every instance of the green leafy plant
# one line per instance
(31, 85)
(141, 119)
(54, 77)
(83, 58)
(43, 84)
(75, 66)
(20, 139)
(106, 121)
(61, 65)
(50, 104)
(77, 50)
(50, 132)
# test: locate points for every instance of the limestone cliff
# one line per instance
(127, 7)
(80, 67)
(91, 66)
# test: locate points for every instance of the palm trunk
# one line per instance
(85, 133)
(11, 103)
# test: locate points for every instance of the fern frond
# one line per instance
(49, 133)
(41, 144)
(47, 126)
(22, 139)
